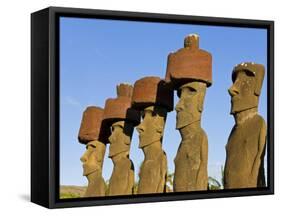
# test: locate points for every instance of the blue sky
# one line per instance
(96, 55)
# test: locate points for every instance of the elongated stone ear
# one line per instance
(202, 93)
(259, 78)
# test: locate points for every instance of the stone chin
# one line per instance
(89, 170)
(184, 119)
(145, 141)
(238, 105)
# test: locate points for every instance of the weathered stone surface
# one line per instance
(189, 64)
(123, 118)
(120, 138)
(150, 91)
(92, 161)
(122, 178)
(93, 132)
(153, 171)
(252, 69)
(245, 149)
(190, 105)
(192, 157)
(154, 97)
(92, 126)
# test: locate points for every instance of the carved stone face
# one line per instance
(242, 92)
(120, 138)
(93, 157)
(152, 126)
(190, 104)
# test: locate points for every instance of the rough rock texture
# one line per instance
(189, 63)
(192, 157)
(153, 171)
(96, 187)
(189, 71)
(92, 126)
(154, 97)
(122, 178)
(253, 69)
(245, 149)
(191, 161)
(150, 91)
(122, 118)
(92, 161)
(93, 132)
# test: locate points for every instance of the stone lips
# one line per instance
(119, 109)
(92, 126)
(150, 91)
(189, 65)
(256, 70)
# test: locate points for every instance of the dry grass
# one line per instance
(71, 191)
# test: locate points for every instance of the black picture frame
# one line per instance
(45, 82)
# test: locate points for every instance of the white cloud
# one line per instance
(72, 101)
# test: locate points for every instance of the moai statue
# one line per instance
(122, 118)
(154, 98)
(245, 149)
(94, 133)
(189, 70)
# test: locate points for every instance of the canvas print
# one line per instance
(160, 108)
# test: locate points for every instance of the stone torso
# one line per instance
(122, 178)
(153, 170)
(96, 186)
(190, 172)
(241, 151)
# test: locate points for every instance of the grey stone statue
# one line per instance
(192, 156)
(122, 118)
(122, 178)
(94, 134)
(154, 98)
(92, 161)
(245, 149)
(189, 70)
(153, 171)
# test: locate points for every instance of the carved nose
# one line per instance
(110, 138)
(84, 159)
(140, 128)
(179, 107)
(233, 90)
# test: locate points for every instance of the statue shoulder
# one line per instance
(201, 134)
(259, 121)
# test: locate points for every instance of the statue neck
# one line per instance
(243, 116)
(93, 176)
(119, 156)
(151, 151)
(190, 129)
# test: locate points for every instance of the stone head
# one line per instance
(247, 83)
(152, 126)
(190, 104)
(120, 138)
(92, 158)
